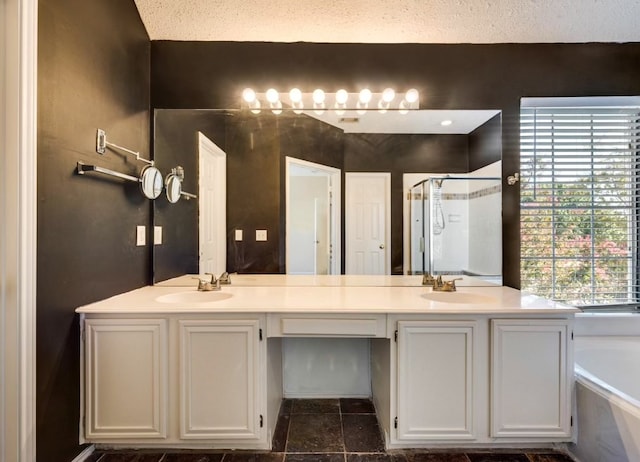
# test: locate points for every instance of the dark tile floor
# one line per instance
(331, 430)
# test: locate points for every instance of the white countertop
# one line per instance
(365, 298)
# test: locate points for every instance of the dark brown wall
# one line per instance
(256, 148)
(485, 144)
(253, 193)
(176, 143)
(493, 76)
(93, 71)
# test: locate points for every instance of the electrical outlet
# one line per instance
(157, 235)
(141, 235)
(261, 234)
(238, 234)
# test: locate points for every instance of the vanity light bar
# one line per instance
(340, 101)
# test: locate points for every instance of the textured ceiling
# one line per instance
(393, 21)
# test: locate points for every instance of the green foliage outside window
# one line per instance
(576, 233)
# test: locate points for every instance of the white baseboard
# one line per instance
(84, 454)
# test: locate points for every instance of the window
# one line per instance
(578, 202)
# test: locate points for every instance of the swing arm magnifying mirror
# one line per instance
(151, 182)
(173, 188)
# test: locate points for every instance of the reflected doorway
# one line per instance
(368, 223)
(312, 218)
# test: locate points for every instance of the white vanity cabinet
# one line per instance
(194, 380)
(435, 380)
(442, 371)
(220, 379)
(125, 378)
(485, 379)
(530, 379)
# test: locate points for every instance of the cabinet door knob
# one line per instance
(382, 246)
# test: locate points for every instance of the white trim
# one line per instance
(336, 189)
(18, 230)
(83, 382)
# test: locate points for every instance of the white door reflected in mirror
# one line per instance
(212, 199)
(368, 227)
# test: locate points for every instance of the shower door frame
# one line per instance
(430, 180)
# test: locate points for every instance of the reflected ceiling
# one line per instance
(420, 122)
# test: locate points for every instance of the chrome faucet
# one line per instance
(205, 285)
(445, 286)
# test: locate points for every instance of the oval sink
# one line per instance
(194, 297)
(459, 297)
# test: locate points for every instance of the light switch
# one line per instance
(238, 234)
(261, 234)
(157, 235)
(141, 235)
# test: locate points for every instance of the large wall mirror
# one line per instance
(291, 193)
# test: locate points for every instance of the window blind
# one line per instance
(579, 203)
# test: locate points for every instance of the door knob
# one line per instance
(382, 246)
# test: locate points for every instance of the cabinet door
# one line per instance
(435, 380)
(529, 380)
(126, 378)
(219, 379)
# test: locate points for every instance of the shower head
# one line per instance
(439, 180)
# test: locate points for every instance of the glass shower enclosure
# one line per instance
(456, 227)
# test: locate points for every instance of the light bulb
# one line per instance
(272, 95)
(342, 96)
(388, 94)
(296, 100)
(318, 101)
(365, 96)
(318, 96)
(412, 96)
(404, 107)
(296, 95)
(248, 95)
